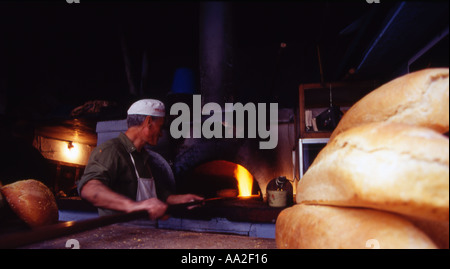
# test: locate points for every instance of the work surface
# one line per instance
(132, 236)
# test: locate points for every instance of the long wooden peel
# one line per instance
(48, 232)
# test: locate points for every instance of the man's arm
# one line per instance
(182, 198)
(98, 194)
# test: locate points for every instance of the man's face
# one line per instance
(154, 130)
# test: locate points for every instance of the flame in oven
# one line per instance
(245, 181)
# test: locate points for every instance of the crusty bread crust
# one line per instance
(388, 166)
(328, 227)
(419, 98)
(32, 201)
(438, 231)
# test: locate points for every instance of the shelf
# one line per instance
(317, 95)
(315, 135)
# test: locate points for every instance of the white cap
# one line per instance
(148, 107)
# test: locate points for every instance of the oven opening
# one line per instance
(220, 178)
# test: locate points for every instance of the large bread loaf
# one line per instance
(438, 231)
(419, 98)
(329, 227)
(383, 179)
(32, 201)
(388, 166)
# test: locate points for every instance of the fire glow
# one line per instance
(245, 181)
(71, 151)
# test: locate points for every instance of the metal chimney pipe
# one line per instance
(215, 52)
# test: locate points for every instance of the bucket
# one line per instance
(183, 81)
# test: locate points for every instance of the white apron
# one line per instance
(146, 186)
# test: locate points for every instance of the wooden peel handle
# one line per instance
(48, 232)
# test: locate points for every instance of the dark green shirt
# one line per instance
(111, 163)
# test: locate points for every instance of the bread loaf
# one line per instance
(419, 98)
(383, 178)
(2, 204)
(32, 201)
(327, 227)
(388, 166)
(438, 231)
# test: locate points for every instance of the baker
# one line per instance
(118, 178)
